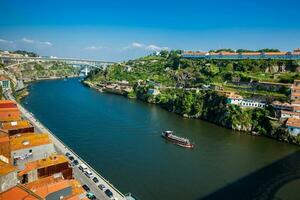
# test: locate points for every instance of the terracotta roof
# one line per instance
(2, 78)
(275, 53)
(232, 95)
(16, 125)
(18, 193)
(43, 163)
(296, 107)
(6, 168)
(45, 186)
(251, 53)
(295, 94)
(293, 122)
(229, 53)
(8, 104)
(278, 103)
(294, 87)
(76, 187)
(4, 137)
(27, 140)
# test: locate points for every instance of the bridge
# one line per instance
(86, 64)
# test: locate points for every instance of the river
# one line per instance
(121, 139)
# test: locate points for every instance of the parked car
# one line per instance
(108, 193)
(83, 167)
(86, 188)
(88, 173)
(68, 154)
(75, 162)
(71, 158)
(101, 186)
(95, 180)
(90, 195)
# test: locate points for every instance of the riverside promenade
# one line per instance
(63, 148)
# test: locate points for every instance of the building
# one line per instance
(4, 82)
(295, 91)
(244, 55)
(153, 92)
(19, 192)
(4, 147)
(46, 167)
(288, 114)
(270, 86)
(283, 106)
(56, 187)
(9, 111)
(293, 126)
(8, 176)
(235, 99)
(28, 147)
(16, 127)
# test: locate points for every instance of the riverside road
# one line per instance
(62, 148)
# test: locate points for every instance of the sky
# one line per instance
(126, 29)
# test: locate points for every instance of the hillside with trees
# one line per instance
(195, 88)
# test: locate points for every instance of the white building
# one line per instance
(288, 114)
(153, 92)
(238, 100)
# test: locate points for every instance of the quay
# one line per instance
(77, 173)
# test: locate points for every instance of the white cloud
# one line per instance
(137, 45)
(94, 48)
(36, 42)
(6, 41)
(151, 47)
(134, 45)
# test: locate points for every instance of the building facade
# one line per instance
(29, 147)
(4, 83)
(293, 126)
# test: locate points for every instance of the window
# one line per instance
(30, 150)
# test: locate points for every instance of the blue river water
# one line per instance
(121, 139)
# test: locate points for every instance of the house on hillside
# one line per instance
(5, 83)
(153, 91)
(295, 91)
(293, 126)
(239, 100)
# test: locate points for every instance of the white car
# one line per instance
(88, 173)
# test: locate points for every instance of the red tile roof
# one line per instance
(19, 193)
(2, 78)
(293, 122)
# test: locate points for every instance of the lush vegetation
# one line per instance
(180, 82)
(33, 71)
(28, 53)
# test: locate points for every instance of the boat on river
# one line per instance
(180, 141)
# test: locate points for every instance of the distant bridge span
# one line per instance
(74, 61)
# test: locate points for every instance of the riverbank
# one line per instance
(215, 109)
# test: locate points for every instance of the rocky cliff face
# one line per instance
(276, 69)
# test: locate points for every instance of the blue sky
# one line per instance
(119, 30)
